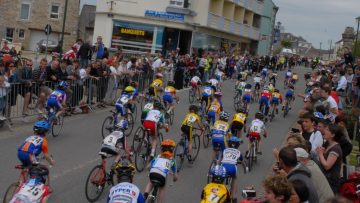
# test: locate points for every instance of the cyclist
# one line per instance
(264, 72)
(215, 84)
(264, 99)
(156, 85)
(123, 103)
(35, 145)
(57, 99)
(115, 141)
(196, 83)
(276, 99)
(273, 77)
(34, 190)
(294, 78)
(148, 107)
(288, 75)
(289, 95)
(169, 95)
(154, 121)
(257, 81)
(216, 191)
(271, 87)
(247, 96)
(125, 190)
(207, 94)
(220, 132)
(160, 167)
(238, 122)
(231, 156)
(214, 108)
(256, 128)
(240, 85)
(132, 93)
(187, 126)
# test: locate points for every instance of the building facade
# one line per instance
(24, 21)
(140, 26)
(267, 27)
(86, 23)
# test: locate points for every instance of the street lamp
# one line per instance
(357, 34)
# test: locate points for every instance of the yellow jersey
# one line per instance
(221, 126)
(239, 117)
(191, 119)
(276, 95)
(215, 193)
(295, 77)
(170, 90)
(157, 83)
(215, 107)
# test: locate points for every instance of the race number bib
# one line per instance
(149, 106)
(32, 192)
(220, 127)
(240, 117)
(124, 100)
(191, 120)
(214, 108)
(213, 198)
(110, 140)
(35, 140)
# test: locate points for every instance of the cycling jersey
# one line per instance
(214, 82)
(163, 166)
(247, 95)
(215, 193)
(220, 127)
(125, 192)
(111, 141)
(289, 93)
(122, 103)
(56, 98)
(257, 127)
(239, 117)
(191, 119)
(195, 80)
(155, 116)
(208, 91)
(288, 74)
(257, 79)
(265, 97)
(31, 148)
(31, 192)
(215, 106)
(276, 98)
(169, 93)
(231, 156)
(295, 77)
(148, 107)
(157, 83)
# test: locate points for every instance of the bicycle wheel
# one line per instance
(107, 126)
(57, 125)
(138, 136)
(206, 136)
(251, 155)
(237, 102)
(95, 183)
(160, 137)
(195, 147)
(135, 112)
(130, 118)
(272, 115)
(10, 192)
(191, 96)
(179, 154)
(209, 176)
(286, 109)
(141, 155)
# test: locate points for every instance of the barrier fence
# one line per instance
(21, 100)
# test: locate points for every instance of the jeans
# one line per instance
(84, 63)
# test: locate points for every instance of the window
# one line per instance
(9, 34)
(25, 11)
(21, 33)
(180, 3)
(54, 11)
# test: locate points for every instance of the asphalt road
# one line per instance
(76, 152)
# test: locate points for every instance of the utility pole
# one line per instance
(330, 49)
(357, 35)
(63, 27)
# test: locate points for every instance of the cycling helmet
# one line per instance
(129, 89)
(248, 86)
(266, 87)
(38, 173)
(218, 174)
(234, 142)
(217, 94)
(133, 84)
(123, 124)
(193, 108)
(63, 84)
(171, 83)
(125, 172)
(157, 105)
(167, 147)
(159, 75)
(41, 127)
(259, 115)
(290, 86)
(277, 90)
(224, 116)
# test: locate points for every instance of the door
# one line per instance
(185, 41)
(36, 36)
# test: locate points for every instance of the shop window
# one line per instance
(21, 34)
(180, 3)
(54, 11)
(25, 11)
(9, 34)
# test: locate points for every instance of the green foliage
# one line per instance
(286, 43)
(356, 52)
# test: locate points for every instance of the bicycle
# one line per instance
(237, 100)
(263, 111)
(192, 95)
(256, 95)
(109, 124)
(272, 114)
(169, 116)
(207, 134)
(56, 122)
(152, 198)
(142, 147)
(252, 152)
(147, 98)
(286, 107)
(182, 151)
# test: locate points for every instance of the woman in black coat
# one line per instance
(179, 75)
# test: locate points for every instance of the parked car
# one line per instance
(52, 45)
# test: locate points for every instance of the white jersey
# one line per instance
(242, 85)
(231, 156)
(112, 140)
(154, 115)
(124, 193)
(162, 166)
(195, 79)
(257, 79)
(148, 107)
(247, 91)
(124, 99)
(30, 193)
(214, 82)
(288, 74)
(257, 126)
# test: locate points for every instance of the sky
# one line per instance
(315, 20)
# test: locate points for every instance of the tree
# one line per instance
(286, 43)
(356, 52)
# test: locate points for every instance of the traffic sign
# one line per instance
(48, 29)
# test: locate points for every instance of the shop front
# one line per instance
(208, 43)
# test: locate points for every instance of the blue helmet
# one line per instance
(41, 127)
(248, 86)
(234, 142)
(123, 124)
(63, 84)
(224, 116)
(218, 174)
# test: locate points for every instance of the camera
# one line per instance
(249, 193)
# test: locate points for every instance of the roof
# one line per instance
(87, 15)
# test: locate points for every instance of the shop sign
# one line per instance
(164, 15)
(132, 32)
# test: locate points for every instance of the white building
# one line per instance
(191, 25)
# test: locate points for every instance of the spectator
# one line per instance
(310, 133)
(297, 171)
(349, 60)
(329, 102)
(356, 86)
(341, 89)
(76, 85)
(157, 63)
(331, 156)
(106, 53)
(63, 75)
(52, 73)
(349, 78)
(300, 192)
(103, 70)
(99, 48)
(84, 54)
(4, 89)
(41, 89)
(317, 177)
(12, 78)
(112, 88)
(277, 189)
(26, 79)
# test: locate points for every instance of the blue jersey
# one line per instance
(125, 192)
(58, 95)
(208, 91)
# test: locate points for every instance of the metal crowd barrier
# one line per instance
(20, 100)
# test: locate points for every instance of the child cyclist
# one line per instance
(257, 81)
(160, 167)
(240, 85)
(169, 95)
(247, 96)
(187, 126)
(207, 94)
(289, 95)
(276, 99)
(256, 128)
(238, 123)
(294, 78)
(214, 108)
(57, 99)
(231, 156)
(216, 191)
(220, 132)
(156, 85)
(265, 96)
(196, 83)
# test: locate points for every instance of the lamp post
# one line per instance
(357, 34)
(63, 27)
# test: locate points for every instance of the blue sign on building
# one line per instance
(164, 15)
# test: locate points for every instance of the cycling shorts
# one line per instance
(150, 125)
(264, 100)
(218, 141)
(53, 103)
(287, 77)
(194, 84)
(168, 98)
(187, 130)
(26, 158)
(289, 94)
(254, 135)
(211, 117)
(151, 91)
(109, 151)
(120, 108)
(157, 178)
(275, 100)
(231, 169)
(257, 86)
(236, 126)
(247, 98)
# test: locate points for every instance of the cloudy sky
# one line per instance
(315, 20)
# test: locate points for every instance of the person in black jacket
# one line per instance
(63, 75)
(26, 79)
(84, 54)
